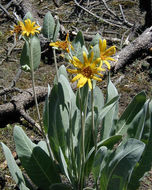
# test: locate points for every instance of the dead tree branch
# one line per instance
(12, 112)
(123, 20)
(140, 45)
(98, 17)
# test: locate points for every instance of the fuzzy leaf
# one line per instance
(119, 165)
(56, 31)
(110, 119)
(14, 169)
(36, 53)
(32, 157)
(144, 164)
(129, 114)
(48, 26)
(28, 16)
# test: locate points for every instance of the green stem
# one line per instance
(33, 82)
(81, 179)
(55, 62)
(93, 127)
(35, 99)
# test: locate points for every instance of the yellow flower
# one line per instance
(65, 45)
(29, 27)
(17, 29)
(86, 71)
(106, 53)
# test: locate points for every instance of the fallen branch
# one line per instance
(140, 45)
(12, 112)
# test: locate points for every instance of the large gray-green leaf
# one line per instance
(141, 122)
(28, 16)
(106, 109)
(63, 117)
(42, 173)
(98, 99)
(111, 117)
(79, 47)
(95, 40)
(144, 164)
(82, 97)
(56, 31)
(64, 165)
(119, 165)
(14, 169)
(48, 26)
(51, 114)
(131, 111)
(34, 56)
(99, 156)
(109, 143)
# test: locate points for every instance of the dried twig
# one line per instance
(12, 111)
(89, 37)
(113, 23)
(9, 90)
(6, 12)
(16, 78)
(13, 46)
(123, 21)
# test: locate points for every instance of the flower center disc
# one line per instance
(87, 72)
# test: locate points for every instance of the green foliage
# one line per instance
(50, 29)
(42, 173)
(129, 114)
(117, 166)
(14, 169)
(79, 46)
(83, 134)
(111, 117)
(28, 16)
(145, 162)
(31, 52)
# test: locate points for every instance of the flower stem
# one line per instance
(33, 82)
(35, 99)
(93, 127)
(81, 179)
(55, 62)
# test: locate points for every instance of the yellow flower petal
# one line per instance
(91, 57)
(110, 51)
(85, 58)
(110, 58)
(72, 71)
(97, 78)
(76, 62)
(64, 45)
(101, 63)
(107, 63)
(87, 70)
(106, 54)
(102, 45)
(82, 81)
(90, 83)
(76, 77)
(29, 27)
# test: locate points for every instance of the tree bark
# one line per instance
(12, 112)
(134, 50)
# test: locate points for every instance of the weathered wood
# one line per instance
(134, 50)
(16, 108)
